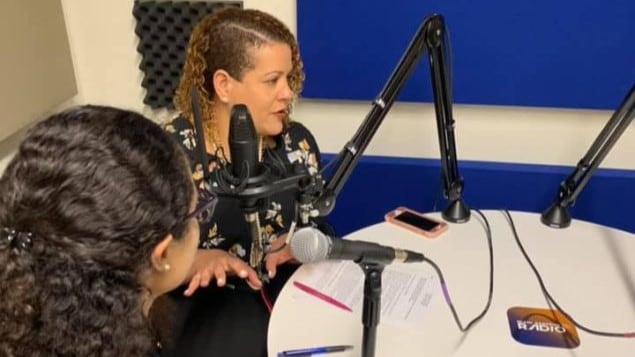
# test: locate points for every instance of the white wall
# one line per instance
(485, 133)
(103, 45)
(9, 145)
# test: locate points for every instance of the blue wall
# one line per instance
(546, 53)
(379, 184)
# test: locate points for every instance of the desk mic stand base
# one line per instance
(372, 306)
(456, 212)
(556, 216)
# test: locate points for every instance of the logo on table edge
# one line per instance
(542, 327)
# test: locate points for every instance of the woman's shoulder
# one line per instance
(177, 124)
(299, 136)
(297, 128)
(300, 146)
(182, 131)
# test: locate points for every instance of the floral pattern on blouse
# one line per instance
(227, 229)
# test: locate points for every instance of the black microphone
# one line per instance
(310, 245)
(243, 143)
(243, 148)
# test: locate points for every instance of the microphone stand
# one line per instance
(429, 37)
(557, 215)
(372, 306)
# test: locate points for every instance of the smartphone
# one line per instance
(416, 222)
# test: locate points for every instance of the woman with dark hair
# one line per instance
(234, 57)
(97, 219)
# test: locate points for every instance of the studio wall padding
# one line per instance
(164, 28)
(544, 53)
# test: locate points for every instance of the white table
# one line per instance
(589, 270)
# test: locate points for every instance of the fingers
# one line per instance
(193, 285)
(274, 259)
(246, 272)
(220, 274)
(252, 279)
(206, 276)
(271, 262)
(218, 267)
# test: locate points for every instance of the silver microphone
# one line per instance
(311, 245)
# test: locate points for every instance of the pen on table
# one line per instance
(309, 290)
(314, 351)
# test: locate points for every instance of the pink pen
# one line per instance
(309, 290)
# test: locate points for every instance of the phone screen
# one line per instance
(416, 221)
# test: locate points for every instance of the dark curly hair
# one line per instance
(222, 40)
(97, 188)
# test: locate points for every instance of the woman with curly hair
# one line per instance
(97, 219)
(234, 57)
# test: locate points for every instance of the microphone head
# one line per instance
(241, 125)
(310, 245)
(243, 143)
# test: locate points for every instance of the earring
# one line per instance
(165, 267)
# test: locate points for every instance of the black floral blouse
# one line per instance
(227, 229)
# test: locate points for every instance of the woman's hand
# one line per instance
(217, 263)
(272, 260)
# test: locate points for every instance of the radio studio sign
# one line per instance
(542, 327)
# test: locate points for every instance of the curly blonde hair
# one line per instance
(222, 40)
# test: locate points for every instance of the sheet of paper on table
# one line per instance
(406, 293)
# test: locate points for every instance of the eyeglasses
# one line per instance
(205, 208)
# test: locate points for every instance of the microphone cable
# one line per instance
(439, 194)
(550, 299)
(328, 164)
(490, 293)
(278, 166)
(266, 300)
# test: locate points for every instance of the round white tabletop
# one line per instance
(589, 270)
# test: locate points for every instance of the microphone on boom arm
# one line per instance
(247, 169)
(248, 180)
(252, 182)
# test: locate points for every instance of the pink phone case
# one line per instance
(435, 232)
